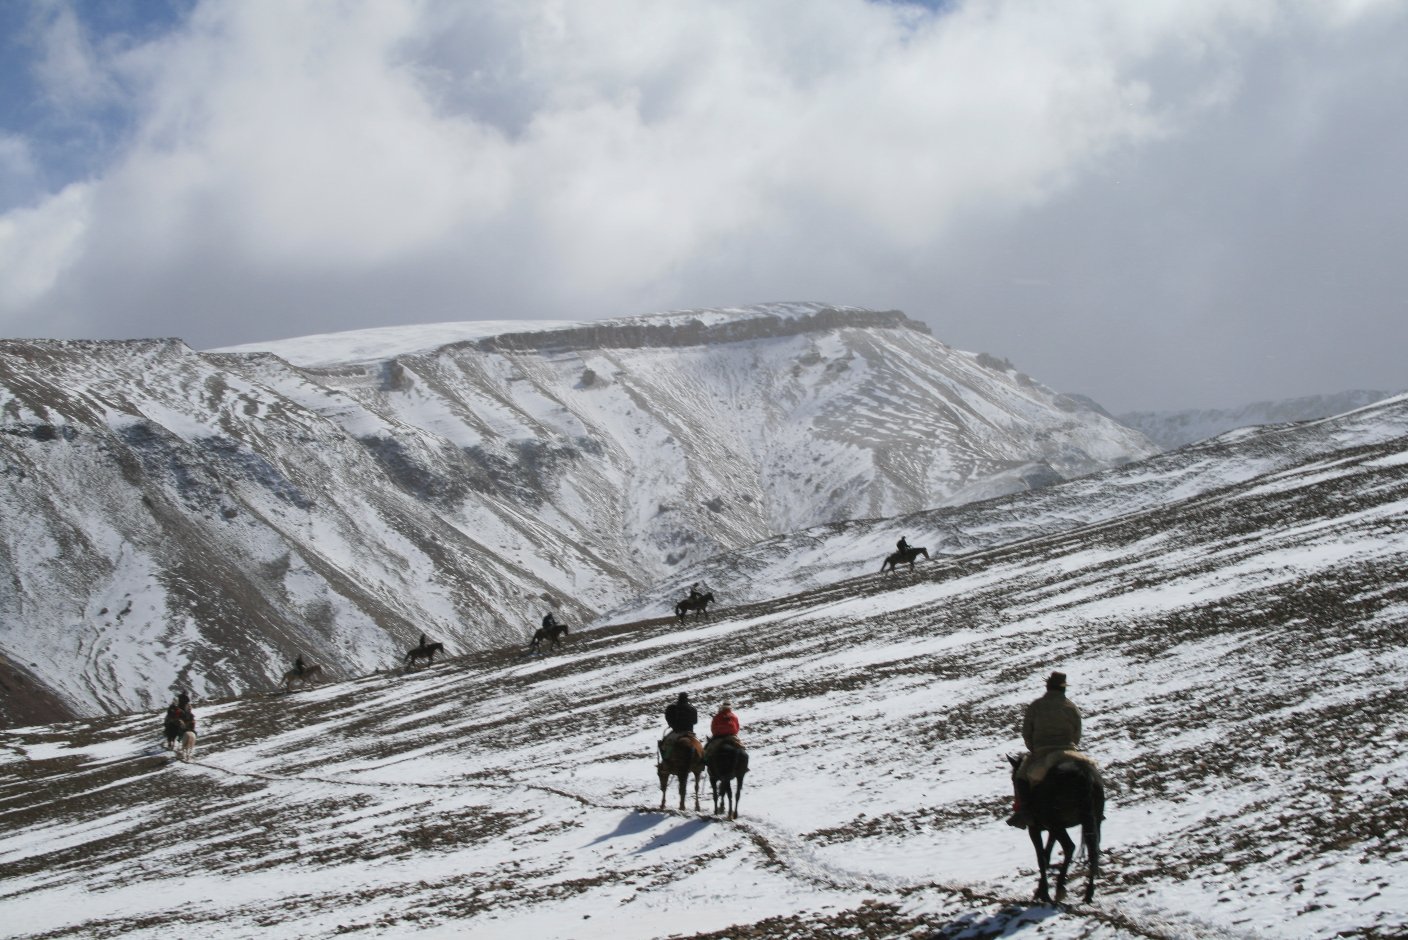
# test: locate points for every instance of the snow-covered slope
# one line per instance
(176, 518)
(803, 560)
(1238, 653)
(1173, 429)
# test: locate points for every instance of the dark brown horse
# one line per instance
(552, 635)
(1071, 794)
(426, 652)
(727, 766)
(686, 757)
(311, 673)
(906, 557)
(698, 602)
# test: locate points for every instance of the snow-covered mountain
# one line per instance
(1237, 647)
(194, 519)
(1171, 430)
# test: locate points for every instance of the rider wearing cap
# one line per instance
(723, 729)
(1051, 725)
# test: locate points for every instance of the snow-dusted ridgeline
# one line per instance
(1171, 430)
(177, 518)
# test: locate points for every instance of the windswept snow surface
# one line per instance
(1238, 656)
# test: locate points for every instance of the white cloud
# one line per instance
(336, 164)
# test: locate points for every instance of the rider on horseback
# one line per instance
(549, 621)
(179, 719)
(723, 730)
(902, 544)
(1051, 726)
(298, 666)
(680, 715)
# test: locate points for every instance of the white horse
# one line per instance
(186, 746)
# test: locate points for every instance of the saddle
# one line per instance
(727, 741)
(688, 739)
(1037, 766)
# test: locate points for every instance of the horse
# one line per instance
(727, 765)
(426, 652)
(180, 739)
(1071, 794)
(310, 672)
(895, 559)
(552, 634)
(686, 757)
(698, 602)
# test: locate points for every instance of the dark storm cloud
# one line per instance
(1159, 204)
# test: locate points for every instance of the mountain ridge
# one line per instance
(195, 519)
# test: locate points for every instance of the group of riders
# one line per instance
(682, 716)
(1051, 730)
(1051, 725)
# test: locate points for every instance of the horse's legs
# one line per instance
(737, 793)
(1090, 835)
(664, 782)
(1043, 859)
(1068, 850)
(696, 790)
(684, 785)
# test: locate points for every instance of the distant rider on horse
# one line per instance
(723, 730)
(1051, 727)
(549, 621)
(298, 666)
(902, 544)
(681, 716)
(179, 719)
(695, 592)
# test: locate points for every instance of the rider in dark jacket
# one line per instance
(549, 621)
(298, 666)
(179, 719)
(680, 716)
(902, 544)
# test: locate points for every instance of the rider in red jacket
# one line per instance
(725, 723)
(723, 728)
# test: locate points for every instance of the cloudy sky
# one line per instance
(1161, 203)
